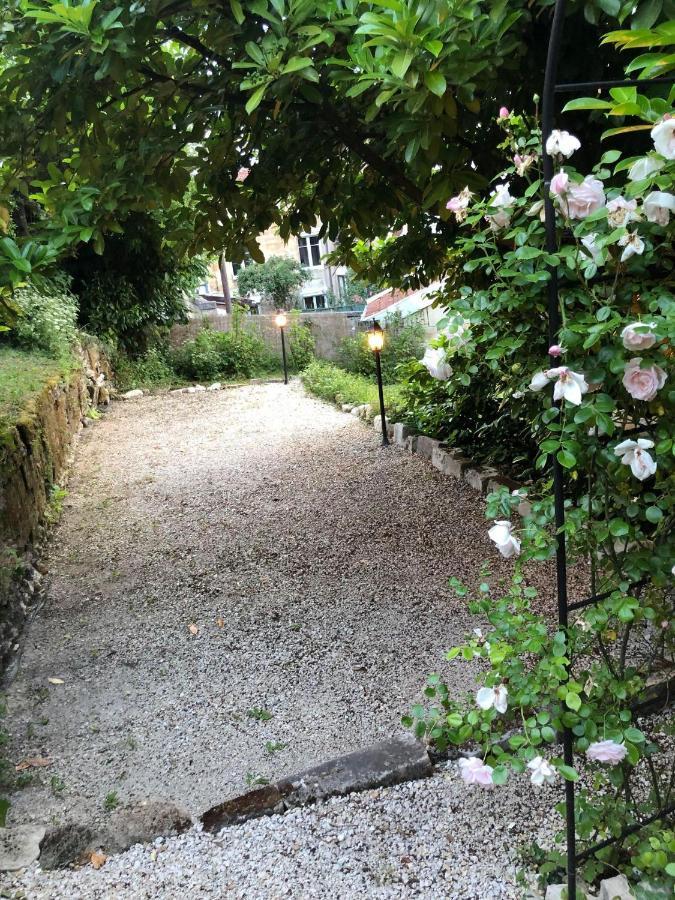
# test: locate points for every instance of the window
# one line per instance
(310, 251)
(318, 301)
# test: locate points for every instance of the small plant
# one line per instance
(111, 801)
(93, 413)
(259, 714)
(55, 506)
(272, 747)
(57, 785)
(253, 779)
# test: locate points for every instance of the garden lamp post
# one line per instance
(376, 342)
(280, 321)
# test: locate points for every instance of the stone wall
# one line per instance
(328, 329)
(34, 453)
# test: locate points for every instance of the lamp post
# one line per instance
(376, 342)
(280, 321)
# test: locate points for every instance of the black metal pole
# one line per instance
(380, 391)
(283, 353)
(548, 111)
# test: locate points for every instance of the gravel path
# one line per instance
(244, 584)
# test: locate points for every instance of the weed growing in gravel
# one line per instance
(272, 747)
(57, 785)
(111, 802)
(252, 779)
(259, 714)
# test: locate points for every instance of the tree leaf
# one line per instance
(435, 82)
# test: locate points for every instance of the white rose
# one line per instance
(435, 362)
(663, 136)
(506, 543)
(645, 167)
(561, 143)
(637, 336)
(658, 206)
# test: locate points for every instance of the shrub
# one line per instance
(332, 383)
(404, 341)
(48, 316)
(214, 354)
(153, 369)
(301, 342)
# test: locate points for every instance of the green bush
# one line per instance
(334, 384)
(223, 354)
(301, 342)
(153, 369)
(48, 316)
(404, 341)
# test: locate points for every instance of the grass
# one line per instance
(334, 384)
(23, 374)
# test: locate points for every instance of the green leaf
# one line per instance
(295, 64)
(401, 63)
(435, 82)
(573, 701)
(566, 459)
(4, 809)
(237, 11)
(653, 514)
(255, 99)
(434, 47)
(634, 735)
(586, 103)
(568, 773)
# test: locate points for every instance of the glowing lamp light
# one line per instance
(376, 340)
(280, 320)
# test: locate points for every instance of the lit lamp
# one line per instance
(376, 342)
(280, 321)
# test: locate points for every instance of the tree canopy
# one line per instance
(276, 280)
(364, 115)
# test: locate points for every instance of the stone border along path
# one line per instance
(243, 583)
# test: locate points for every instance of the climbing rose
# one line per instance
(435, 361)
(569, 386)
(643, 168)
(556, 350)
(638, 336)
(585, 198)
(523, 163)
(496, 697)
(243, 174)
(507, 544)
(459, 204)
(621, 211)
(561, 143)
(504, 112)
(590, 242)
(634, 454)
(607, 752)
(502, 199)
(560, 183)
(658, 206)
(474, 771)
(542, 771)
(642, 384)
(633, 245)
(663, 136)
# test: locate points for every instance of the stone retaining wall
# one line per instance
(34, 452)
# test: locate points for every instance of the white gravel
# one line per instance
(427, 839)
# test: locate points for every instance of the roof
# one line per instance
(392, 301)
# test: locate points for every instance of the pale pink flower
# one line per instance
(569, 385)
(645, 167)
(561, 143)
(639, 336)
(560, 183)
(607, 752)
(556, 350)
(459, 204)
(496, 697)
(474, 771)
(657, 207)
(590, 242)
(642, 384)
(634, 454)
(503, 201)
(243, 174)
(621, 211)
(507, 543)
(542, 771)
(585, 198)
(523, 163)
(435, 361)
(663, 135)
(633, 245)
(504, 112)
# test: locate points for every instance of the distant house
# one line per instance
(325, 288)
(414, 305)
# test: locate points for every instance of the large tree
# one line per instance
(365, 115)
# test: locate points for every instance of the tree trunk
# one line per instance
(226, 284)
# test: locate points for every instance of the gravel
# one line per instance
(243, 584)
(425, 839)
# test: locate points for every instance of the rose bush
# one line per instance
(612, 429)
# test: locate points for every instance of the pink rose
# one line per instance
(607, 752)
(639, 336)
(560, 183)
(504, 113)
(243, 174)
(585, 198)
(474, 771)
(642, 384)
(556, 350)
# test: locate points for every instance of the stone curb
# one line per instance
(400, 759)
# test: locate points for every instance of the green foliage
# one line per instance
(47, 317)
(227, 354)
(300, 341)
(403, 342)
(152, 369)
(276, 280)
(111, 801)
(136, 288)
(23, 374)
(334, 384)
